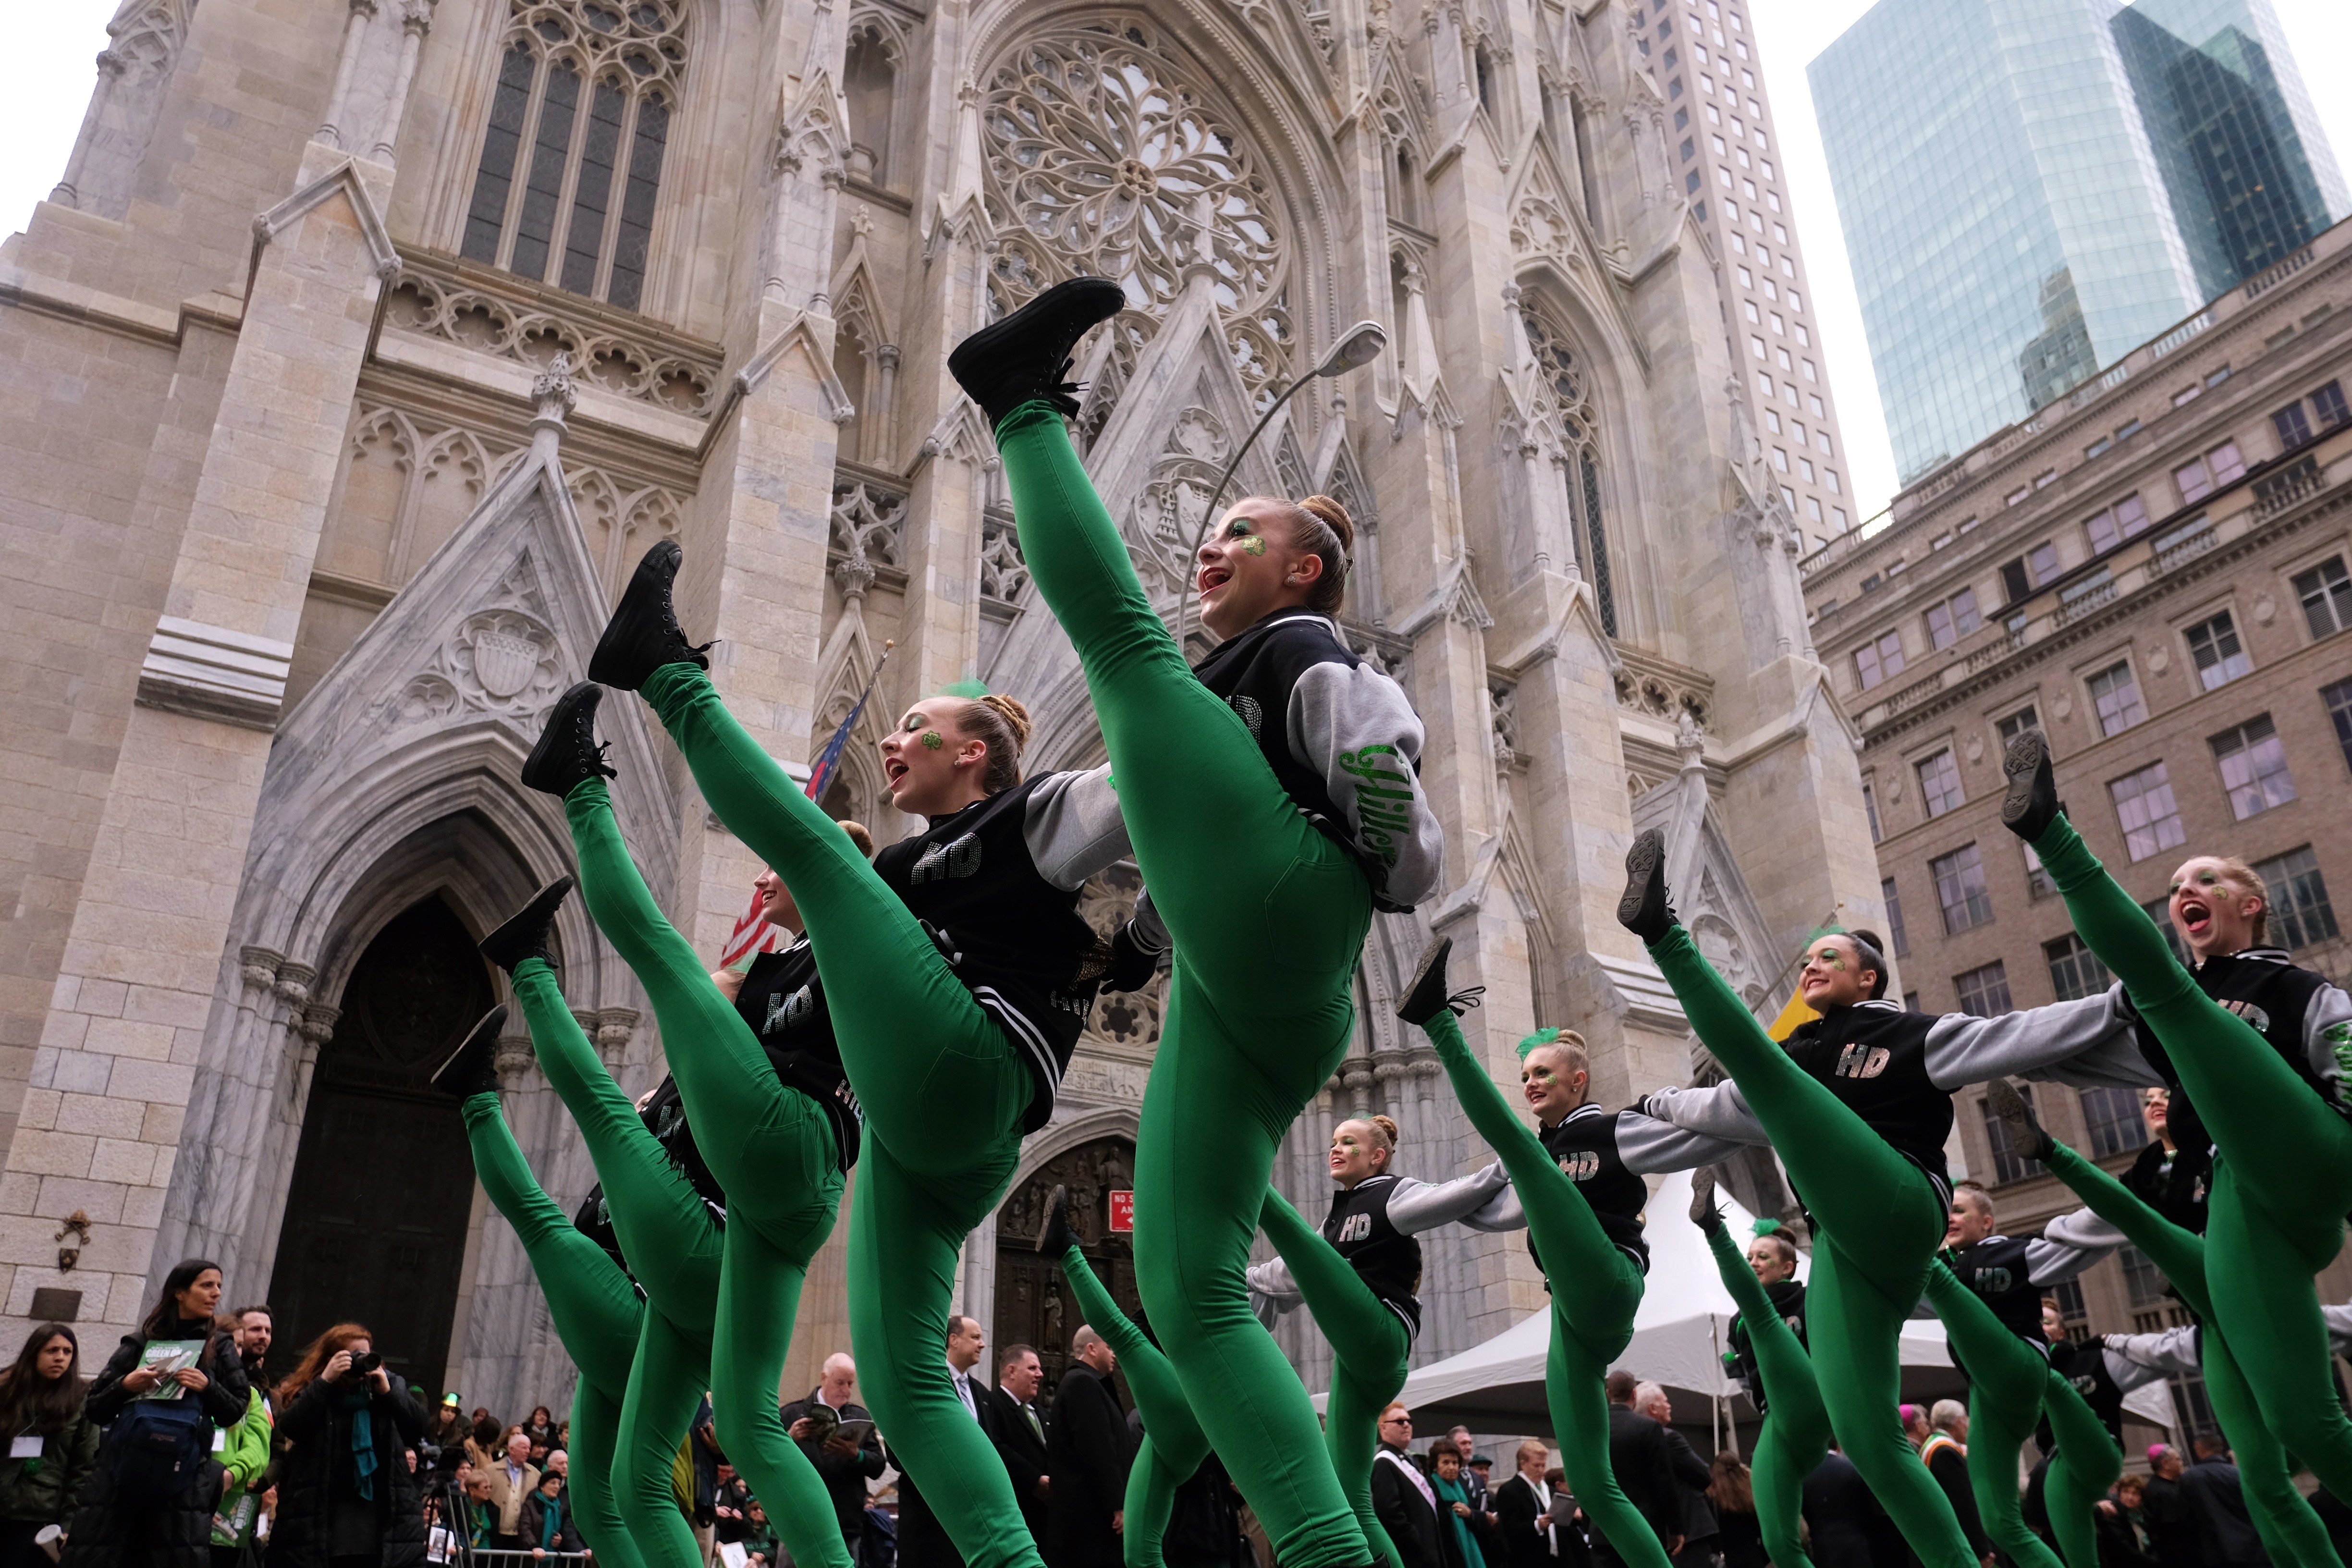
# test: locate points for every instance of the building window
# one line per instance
(2293, 429)
(2008, 1163)
(1984, 992)
(2113, 1117)
(2144, 805)
(2327, 405)
(2326, 410)
(2300, 912)
(2160, 911)
(1870, 804)
(1813, 507)
(1875, 662)
(571, 161)
(2037, 875)
(2075, 971)
(2327, 594)
(2200, 477)
(2143, 1280)
(2219, 656)
(1780, 458)
(2073, 1309)
(1939, 782)
(1953, 619)
(2017, 724)
(2338, 701)
(2253, 766)
(1894, 902)
(1960, 890)
(2115, 695)
(2120, 522)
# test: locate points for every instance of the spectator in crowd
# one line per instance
(758, 1537)
(844, 1464)
(1474, 1479)
(1021, 1434)
(1457, 1520)
(1644, 1462)
(2217, 1501)
(730, 1507)
(1693, 1475)
(559, 1465)
(1087, 1457)
(42, 1397)
(1402, 1500)
(2172, 1529)
(1945, 1454)
(512, 1478)
(547, 1525)
(541, 1430)
(481, 1512)
(1532, 1519)
(2122, 1523)
(1850, 1530)
(343, 1484)
(1915, 1425)
(486, 1444)
(144, 1516)
(1732, 1495)
(922, 1544)
(1204, 1527)
(254, 1326)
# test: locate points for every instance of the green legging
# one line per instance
(773, 1151)
(672, 1244)
(1173, 1447)
(597, 1314)
(1268, 917)
(2086, 1463)
(1878, 1221)
(1368, 1347)
(2291, 1531)
(1796, 1432)
(944, 1092)
(1596, 1290)
(2283, 1180)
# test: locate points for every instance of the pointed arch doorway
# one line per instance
(383, 1184)
(1033, 1303)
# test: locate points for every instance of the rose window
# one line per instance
(1103, 160)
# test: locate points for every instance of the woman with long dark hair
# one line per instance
(153, 1508)
(1731, 1494)
(41, 1398)
(345, 1495)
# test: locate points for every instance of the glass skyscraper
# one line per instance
(2031, 187)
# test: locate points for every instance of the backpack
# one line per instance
(156, 1449)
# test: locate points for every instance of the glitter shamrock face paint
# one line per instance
(931, 766)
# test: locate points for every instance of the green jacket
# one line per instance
(46, 1488)
(247, 1453)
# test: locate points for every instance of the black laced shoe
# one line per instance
(1025, 356)
(1644, 910)
(1056, 1238)
(1703, 1212)
(643, 634)
(1425, 997)
(567, 751)
(474, 1069)
(2032, 804)
(526, 931)
(2016, 1115)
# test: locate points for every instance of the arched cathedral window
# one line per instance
(1579, 430)
(573, 159)
(869, 78)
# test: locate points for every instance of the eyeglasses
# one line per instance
(1398, 1421)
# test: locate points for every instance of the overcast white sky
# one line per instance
(56, 41)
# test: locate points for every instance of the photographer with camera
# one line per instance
(347, 1497)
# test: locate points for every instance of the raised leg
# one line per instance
(666, 1384)
(2086, 1464)
(2006, 1376)
(2291, 1528)
(596, 1432)
(1795, 1428)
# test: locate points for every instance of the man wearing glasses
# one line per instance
(1402, 1500)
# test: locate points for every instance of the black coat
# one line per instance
(106, 1534)
(2217, 1501)
(1850, 1529)
(534, 1524)
(1525, 1546)
(314, 1448)
(1644, 1462)
(1950, 1468)
(1026, 1460)
(1693, 1475)
(844, 1475)
(2171, 1527)
(1407, 1516)
(1087, 1455)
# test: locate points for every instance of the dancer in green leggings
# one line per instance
(759, 1078)
(666, 1208)
(1173, 1446)
(958, 974)
(1577, 1184)
(590, 1296)
(1360, 1275)
(1273, 803)
(1768, 1341)
(1858, 1105)
(2290, 1529)
(2255, 1049)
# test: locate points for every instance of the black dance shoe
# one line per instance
(2033, 802)
(567, 752)
(643, 634)
(2017, 1118)
(526, 933)
(474, 1069)
(1644, 910)
(1703, 1212)
(1023, 357)
(1057, 1237)
(1424, 995)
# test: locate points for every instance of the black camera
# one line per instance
(364, 1365)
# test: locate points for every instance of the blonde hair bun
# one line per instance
(1388, 1128)
(1331, 511)
(1015, 716)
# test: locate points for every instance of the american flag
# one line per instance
(751, 934)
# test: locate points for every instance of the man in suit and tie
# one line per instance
(1536, 1528)
(1402, 1500)
(1087, 1447)
(1021, 1434)
(1644, 1462)
(922, 1542)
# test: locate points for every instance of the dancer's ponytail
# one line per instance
(1323, 529)
(1003, 723)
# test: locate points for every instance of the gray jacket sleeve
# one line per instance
(1355, 728)
(2049, 1262)
(1720, 1111)
(2327, 1032)
(2086, 1231)
(2084, 1044)
(1073, 828)
(1272, 1291)
(2174, 1350)
(1475, 1200)
(1650, 1146)
(2128, 1373)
